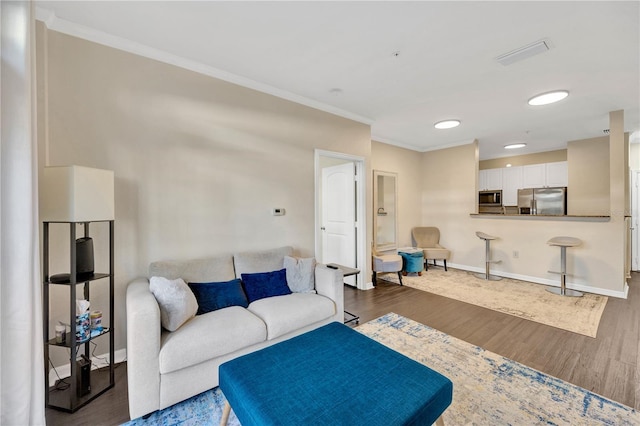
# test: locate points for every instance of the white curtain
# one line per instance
(21, 344)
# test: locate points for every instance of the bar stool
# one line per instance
(563, 243)
(487, 241)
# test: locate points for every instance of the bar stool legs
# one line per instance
(487, 242)
(563, 243)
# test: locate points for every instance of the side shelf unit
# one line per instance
(81, 386)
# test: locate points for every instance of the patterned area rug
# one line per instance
(518, 298)
(488, 389)
(200, 410)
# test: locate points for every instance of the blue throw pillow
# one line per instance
(265, 284)
(218, 295)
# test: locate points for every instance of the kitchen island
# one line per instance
(521, 247)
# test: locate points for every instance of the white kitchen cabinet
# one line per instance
(482, 180)
(511, 182)
(545, 175)
(490, 179)
(534, 176)
(510, 179)
(557, 174)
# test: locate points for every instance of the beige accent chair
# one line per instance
(428, 239)
(385, 263)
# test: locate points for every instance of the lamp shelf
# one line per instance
(78, 222)
(81, 386)
(94, 277)
(62, 398)
(67, 338)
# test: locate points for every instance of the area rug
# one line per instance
(518, 298)
(202, 409)
(488, 389)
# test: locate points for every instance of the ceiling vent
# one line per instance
(524, 52)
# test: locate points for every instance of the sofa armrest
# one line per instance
(330, 283)
(143, 348)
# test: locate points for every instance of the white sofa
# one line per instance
(164, 367)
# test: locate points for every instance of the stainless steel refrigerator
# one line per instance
(547, 201)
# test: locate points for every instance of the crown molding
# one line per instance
(54, 23)
(395, 143)
(419, 149)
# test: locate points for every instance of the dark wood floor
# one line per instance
(110, 408)
(608, 365)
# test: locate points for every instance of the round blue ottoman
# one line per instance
(412, 262)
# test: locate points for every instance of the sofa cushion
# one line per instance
(214, 296)
(176, 301)
(196, 271)
(387, 263)
(283, 314)
(260, 261)
(208, 336)
(265, 284)
(300, 274)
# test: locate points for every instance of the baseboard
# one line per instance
(98, 361)
(368, 286)
(547, 282)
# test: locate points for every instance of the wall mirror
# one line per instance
(385, 210)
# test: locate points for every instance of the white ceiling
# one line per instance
(400, 66)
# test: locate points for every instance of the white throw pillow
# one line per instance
(176, 300)
(300, 274)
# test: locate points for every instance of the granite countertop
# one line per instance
(586, 218)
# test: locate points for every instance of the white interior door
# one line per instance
(339, 216)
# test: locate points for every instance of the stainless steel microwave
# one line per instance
(490, 198)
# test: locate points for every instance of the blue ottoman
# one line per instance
(332, 376)
(412, 261)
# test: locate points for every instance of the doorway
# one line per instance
(340, 211)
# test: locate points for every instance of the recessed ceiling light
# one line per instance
(548, 98)
(515, 145)
(509, 165)
(447, 124)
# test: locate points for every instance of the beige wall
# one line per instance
(588, 176)
(619, 190)
(407, 164)
(199, 163)
(526, 159)
(449, 191)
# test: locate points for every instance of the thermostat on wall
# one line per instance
(278, 211)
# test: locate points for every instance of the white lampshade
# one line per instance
(76, 194)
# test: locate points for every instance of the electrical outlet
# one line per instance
(516, 254)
